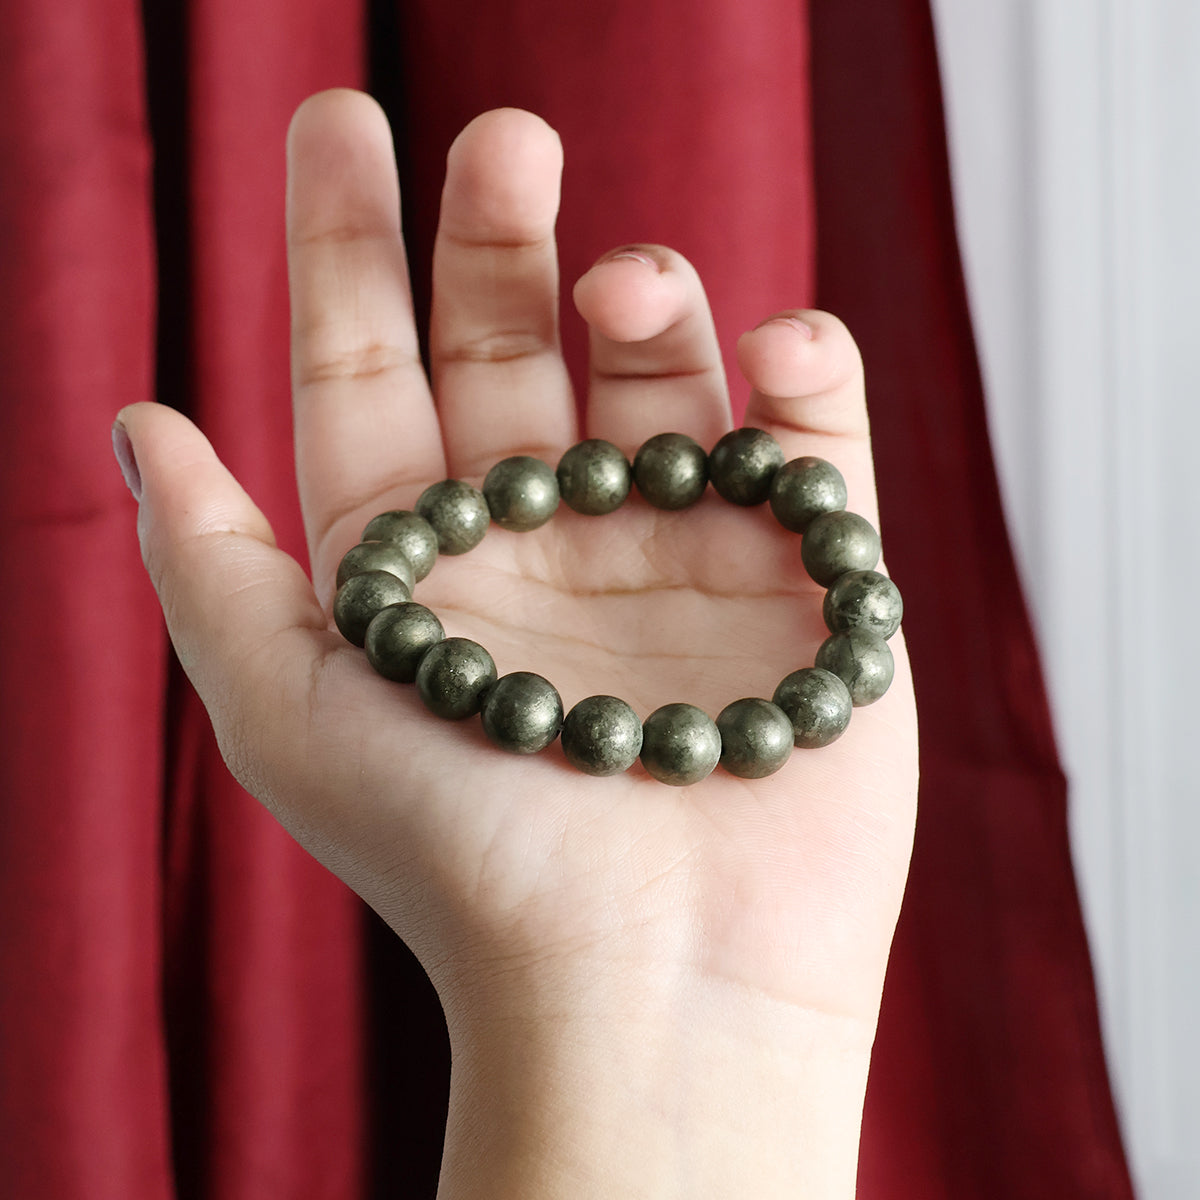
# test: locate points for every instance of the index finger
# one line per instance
(367, 436)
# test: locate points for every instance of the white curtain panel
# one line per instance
(1075, 143)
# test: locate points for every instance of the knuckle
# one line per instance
(327, 354)
(497, 347)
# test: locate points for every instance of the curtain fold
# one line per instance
(990, 962)
(265, 977)
(82, 1069)
(189, 1007)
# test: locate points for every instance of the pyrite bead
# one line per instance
(863, 662)
(602, 736)
(804, 489)
(453, 676)
(594, 477)
(458, 513)
(361, 597)
(756, 738)
(376, 556)
(521, 493)
(413, 534)
(742, 465)
(680, 744)
(837, 542)
(863, 600)
(522, 713)
(398, 637)
(671, 471)
(818, 705)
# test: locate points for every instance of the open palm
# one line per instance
(481, 860)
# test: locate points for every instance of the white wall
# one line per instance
(1075, 139)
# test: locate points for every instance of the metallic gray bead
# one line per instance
(818, 705)
(602, 736)
(522, 713)
(837, 542)
(756, 738)
(458, 513)
(743, 464)
(376, 556)
(805, 488)
(453, 676)
(521, 493)
(863, 600)
(361, 597)
(862, 661)
(413, 534)
(594, 477)
(680, 744)
(671, 471)
(398, 637)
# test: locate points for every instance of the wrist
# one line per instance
(618, 1084)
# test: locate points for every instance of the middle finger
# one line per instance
(498, 374)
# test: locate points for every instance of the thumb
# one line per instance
(242, 615)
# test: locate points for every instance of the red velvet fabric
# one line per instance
(82, 1070)
(264, 963)
(989, 1038)
(188, 1006)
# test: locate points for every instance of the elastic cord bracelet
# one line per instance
(678, 743)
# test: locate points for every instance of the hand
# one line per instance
(588, 924)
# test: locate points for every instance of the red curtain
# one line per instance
(188, 1006)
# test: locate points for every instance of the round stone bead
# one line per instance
(458, 513)
(376, 556)
(805, 488)
(413, 534)
(863, 600)
(398, 637)
(522, 713)
(521, 493)
(837, 542)
(756, 738)
(680, 744)
(671, 471)
(361, 597)
(742, 465)
(602, 735)
(863, 662)
(453, 676)
(817, 704)
(594, 477)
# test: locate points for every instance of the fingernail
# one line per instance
(802, 328)
(123, 449)
(628, 252)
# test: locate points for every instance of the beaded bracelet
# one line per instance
(678, 744)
